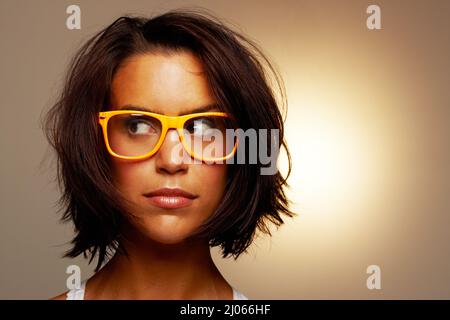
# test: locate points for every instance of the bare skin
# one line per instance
(154, 272)
(161, 263)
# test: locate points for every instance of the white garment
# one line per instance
(78, 294)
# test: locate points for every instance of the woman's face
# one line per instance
(170, 85)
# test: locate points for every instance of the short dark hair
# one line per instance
(238, 74)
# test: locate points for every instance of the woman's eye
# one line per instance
(200, 126)
(139, 127)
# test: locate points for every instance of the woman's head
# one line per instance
(170, 84)
(173, 63)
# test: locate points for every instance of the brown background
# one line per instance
(368, 125)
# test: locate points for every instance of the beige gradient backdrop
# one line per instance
(368, 125)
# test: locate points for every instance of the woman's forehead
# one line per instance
(172, 83)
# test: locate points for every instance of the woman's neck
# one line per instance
(160, 271)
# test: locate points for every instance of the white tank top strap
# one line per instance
(237, 295)
(77, 294)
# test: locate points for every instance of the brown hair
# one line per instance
(235, 70)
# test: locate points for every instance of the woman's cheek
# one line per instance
(128, 176)
(213, 179)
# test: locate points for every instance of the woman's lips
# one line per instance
(170, 202)
(170, 198)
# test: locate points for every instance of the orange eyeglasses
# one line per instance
(135, 135)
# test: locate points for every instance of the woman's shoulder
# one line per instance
(78, 294)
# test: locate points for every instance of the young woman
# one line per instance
(137, 94)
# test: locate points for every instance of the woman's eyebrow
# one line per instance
(208, 107)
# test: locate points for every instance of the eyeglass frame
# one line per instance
(167, 122)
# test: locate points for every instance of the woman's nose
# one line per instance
(171, 157)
